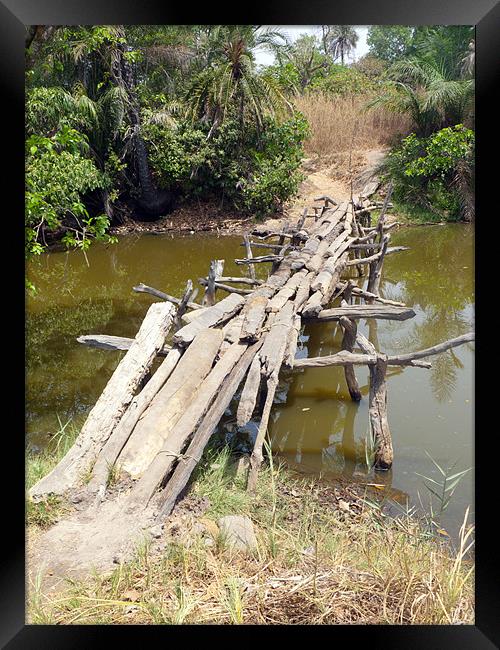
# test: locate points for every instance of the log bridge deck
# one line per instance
(155, 428)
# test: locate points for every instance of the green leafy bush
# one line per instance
(436, 173)
(255, 170)
(57, 176)
(341, 80)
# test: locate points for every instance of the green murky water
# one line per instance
(314, 424)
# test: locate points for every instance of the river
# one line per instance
(314, 425)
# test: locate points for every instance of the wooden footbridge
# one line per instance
(155, 427)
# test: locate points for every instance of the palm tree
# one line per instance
(429, 94)
(339, 40)
(230, 80)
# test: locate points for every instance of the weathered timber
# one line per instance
(350, 330)
(186, 298)
(169, 404)
(291, 344)
(211, 317)
(271, 356)
(215, 271)
(327, 200)
(195, 410)
(377, 412)
(112, 403)
(404, 359)
(303, 291)
(384, 312)
(287, 292)
(192, 455)
(225, 287)
(241, 280)
(256, 244)
(260, 259)
(107, 342)
(116, 442)
(192, 315)
(254, 314)
(249, 393)
(248, 248)
(376, 267)
(143, 288)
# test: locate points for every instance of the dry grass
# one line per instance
(325, 555)
(336, 122)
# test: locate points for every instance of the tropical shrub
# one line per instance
(58, 175)
(436, 172)
(255, 169)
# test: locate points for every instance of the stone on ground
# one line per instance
(238, 532)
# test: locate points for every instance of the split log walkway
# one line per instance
(156, 430)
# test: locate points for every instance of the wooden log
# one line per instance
(291, 345)
(303, 291)
(226, 287)
(256, 244)
(377, 411)
(192, 315)
(273, 350)
(251, 269)
(301, 221)
(169, 404)
(313, 305)
(329, 288)
(113, 447)
(112, 403)
(384, 312)
(350, 330)
(174, 444)
(186, 298)
(215, 271)
(365, 294)
(143, 288)
(238, 280)
(403, 359)
(249, 393)
(314, 263)
(260, 259)
(254, 314)
(256, 456)
(376, 268)
(107, 342)
(188, 460)
(287, 292)
(211, 317)
(327, 199)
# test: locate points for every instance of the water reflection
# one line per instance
(314, 424)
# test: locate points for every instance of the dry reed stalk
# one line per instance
(332, 120)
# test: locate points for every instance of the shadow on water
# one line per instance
(314, 425)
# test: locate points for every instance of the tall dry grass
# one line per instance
(338, 122)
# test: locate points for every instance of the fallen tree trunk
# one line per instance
(112, 403)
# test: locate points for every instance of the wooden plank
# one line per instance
(116, 442)
(112, 403)
(187, 462)
(169, 404)
(193, 413)
(384, 312)
(211, 317)
(107, 342)
(254, 314)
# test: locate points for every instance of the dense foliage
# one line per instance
(132, 120)
(436, 172)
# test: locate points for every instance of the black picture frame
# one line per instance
(14, 15)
